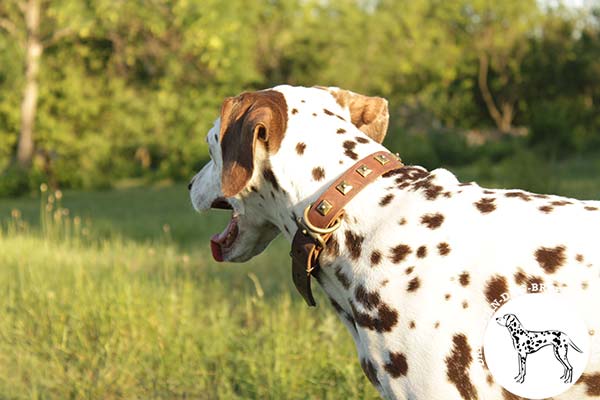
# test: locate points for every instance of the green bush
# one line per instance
(552, 129)
(13, 181)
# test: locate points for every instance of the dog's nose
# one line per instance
(191, 184)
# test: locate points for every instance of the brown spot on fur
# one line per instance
(465, 304)
(369, 300)
(354, 244)
(530, 280)
(270, 177)
(464, 278)
(430, 190)
(294, 111)
(342, 277)
(387, 199)
(412, 325)
(486, 205)
(340, 131)
(495, 287)
(521, 195)
(579, 258)
(318, 173)
(437, 324)
(369, 369)
(362, 140)
(590, 208)
(560, 203)
(409, 270)
(457, 367)
(509, 396)
(447, 296)
(413, 285)
(399, 253)
(349, 146)
(546, 209)
(300, 147)
(443, 249)
(422, 252)
(402, 221)
(326, 111)
(333, 247)
(432, 221)
(397, 366)
(489, 379)
(550, 258)
(375, 258)
(584, 285)
(385, 319)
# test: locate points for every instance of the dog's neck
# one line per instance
(291, 188)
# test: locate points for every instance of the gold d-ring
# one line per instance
(315, 229)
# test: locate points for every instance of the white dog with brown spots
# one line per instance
(419, 256)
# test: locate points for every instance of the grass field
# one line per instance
(118, 297)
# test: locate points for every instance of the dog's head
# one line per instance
(507, 320)
(255, 132)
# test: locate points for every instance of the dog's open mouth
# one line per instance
(221, 242)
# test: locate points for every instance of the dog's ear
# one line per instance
(246, 120)
(369, 114)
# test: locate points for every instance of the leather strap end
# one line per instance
(302, 252)
(302, 282)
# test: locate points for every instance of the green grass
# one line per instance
(115, 307)
(118, 297)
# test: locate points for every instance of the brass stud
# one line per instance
(363, 170)
(344, 187)
(397, 155)
(324, 207)
(381, 159)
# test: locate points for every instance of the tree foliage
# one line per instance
(129, 88)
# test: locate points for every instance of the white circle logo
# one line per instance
(536, 345)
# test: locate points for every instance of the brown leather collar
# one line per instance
(324, 216)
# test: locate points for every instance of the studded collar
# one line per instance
(324, 216)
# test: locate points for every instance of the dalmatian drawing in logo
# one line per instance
(528, 342)
(543, 336)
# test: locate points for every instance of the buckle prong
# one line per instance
(314, 231)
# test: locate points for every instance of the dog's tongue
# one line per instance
(223, 240)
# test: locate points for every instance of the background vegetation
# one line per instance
(92, 92)
(107, 286)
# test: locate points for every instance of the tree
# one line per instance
(498, 34)
(35, 25)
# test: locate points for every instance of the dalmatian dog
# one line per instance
(418, 257)
(528, 342)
